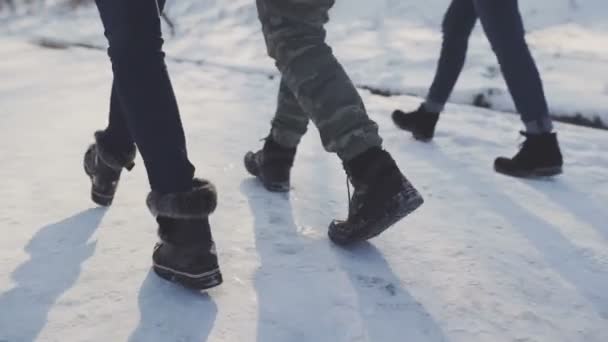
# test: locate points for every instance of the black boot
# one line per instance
(271, 165)
(420, 122)
(186, 254)
(539, 156)
(382, 197)
(104, 168)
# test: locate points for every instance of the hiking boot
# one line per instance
(420, 122)
(271, 165)
(104, 168)
(382, 196)
(186, 253)
(539, 156)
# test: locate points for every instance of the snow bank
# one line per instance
(487, 258)
(386, 44)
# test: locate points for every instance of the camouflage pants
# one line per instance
(314, 85)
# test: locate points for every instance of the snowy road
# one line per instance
(488, 258)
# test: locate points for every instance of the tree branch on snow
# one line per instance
(8, 3)
(169, 23)
(574, 5)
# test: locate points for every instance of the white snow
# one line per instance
(487, 258)
(391, 44)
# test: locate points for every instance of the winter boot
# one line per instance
(104, 169)
(271, 165)
(539, 156)
(186, 254)
(382, 197)
(420, 122)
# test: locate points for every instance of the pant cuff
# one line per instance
(356, 143)
(114, 144)
(287, 139)
(544, 125)
(433, 106)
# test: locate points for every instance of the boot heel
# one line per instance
(276, 186)
(199, 282)
(400, 206)
(100, 199)
(548, 171)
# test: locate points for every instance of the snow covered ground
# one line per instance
(487, 258)
(386, 44)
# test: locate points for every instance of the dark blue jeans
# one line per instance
(143, 109)
(502, 24)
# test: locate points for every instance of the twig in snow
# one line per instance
(169, 23)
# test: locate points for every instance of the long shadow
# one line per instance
(559, 252)
(296, 302)
(387, 310)
(57, 252)
(576, 202)
(291, 297)
(171, 313)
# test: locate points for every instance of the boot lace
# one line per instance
(348, 191)
(526, 136)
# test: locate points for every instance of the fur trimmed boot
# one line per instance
(104, 169)
(271, 165)
(186, 253)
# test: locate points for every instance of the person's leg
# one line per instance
(503, 25)
(272, 164)
(144, 90)
(295, 38)
(143, 94)
(300, 100)
(290, 121)
(117, 137)
(458, 23)
(540, 154)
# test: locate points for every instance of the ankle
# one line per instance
(184, 232)
(272, 145)
(368, 163)
(539, 127)
(112, 155)
(431, 107)
(283, 140)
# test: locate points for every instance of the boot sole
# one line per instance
(101, 199)
(275, 187)
(98, 198)
(270, 186)
(418, 136)
(536, 173)
(398, 207)
(202, 281)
